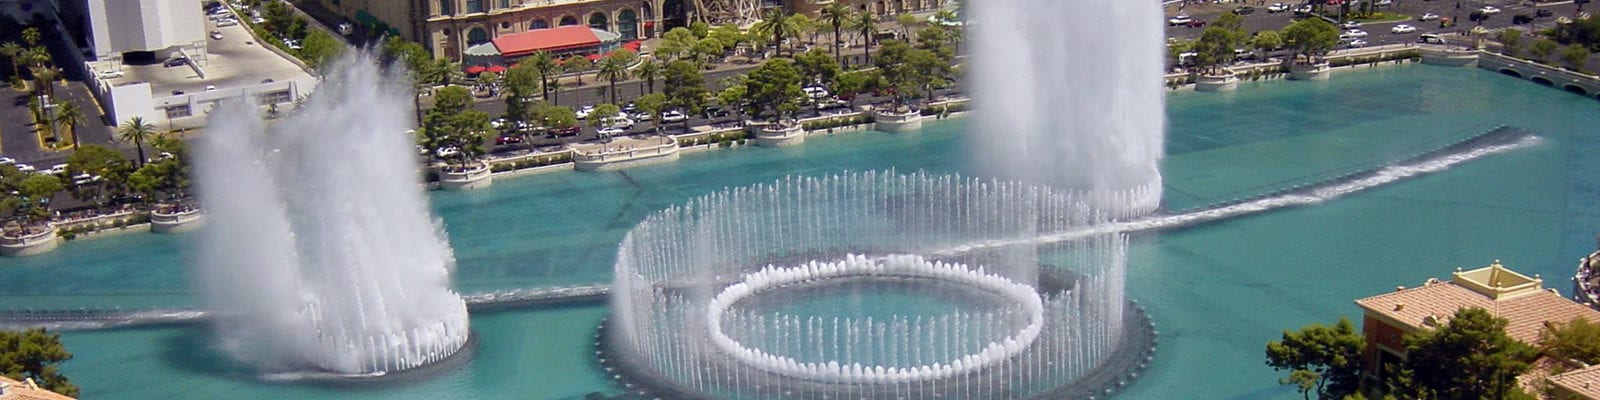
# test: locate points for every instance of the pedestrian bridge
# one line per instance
(1575, 82)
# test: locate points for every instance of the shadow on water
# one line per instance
(195, 350)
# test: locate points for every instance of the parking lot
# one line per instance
(234, 60)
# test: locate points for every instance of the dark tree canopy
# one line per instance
(35, 354)
(1322, 359)
(1468, 358)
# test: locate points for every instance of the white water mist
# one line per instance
(320, 252)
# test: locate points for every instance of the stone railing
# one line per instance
(787, 133)
(634, 152)
(174, 218)
(19, 244)
(476, 176)
(891, 120)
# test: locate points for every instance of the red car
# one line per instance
(1196, 23)
(568, 131)
(508, 139)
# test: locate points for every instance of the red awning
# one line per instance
(594, 57)
(497, 69)
(634, 45)
(554, 39)
(476, 69)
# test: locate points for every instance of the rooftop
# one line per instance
(1521, 300)
(1583, 382)
(554, 39)
(11, 389)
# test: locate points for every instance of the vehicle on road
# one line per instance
(1356, 33)
(619, 121)
(175, 62)
(672, 116)
(25, 168)
(1491, 10)
(84, 179)
(228, 22)
(1303, 9)
(1178, 20)
(1430, 39)
(641, 116)
(1520, 19)
(57, 169)
(7, 161)
(216, 35)
(1277, 8)
(1543, 13)
(1402, 28)
(1245, 10)
(714, 112)
(1383, 3)
(1196, 23)
(1357, 43)
(816, 92)
(611, 132)
(583, 112)
(1350, 25)
(567, 131)
(1428, 17)
(508, 139)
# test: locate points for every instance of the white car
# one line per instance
(583, 113)
(1357, 43)
(1428, 17)
(228, 22)
(1489, 10)
(1277, 8)
(24, 168)
(641, 116)
(1356, 33)
(1304, 9)
(816, 92)
(673, 116)
(111, 74)
(611, 131)
(216, 35)
(85, 178)
(57, 169)
(1402, 28)
(1350, 25)
(1178, 20)
(7, 161)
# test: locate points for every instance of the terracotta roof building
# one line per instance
(11, 389)
(1578, 384)
(1522, 300)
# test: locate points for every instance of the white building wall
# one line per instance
(145, 25)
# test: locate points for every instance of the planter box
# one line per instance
(176, 221)
(1217, 83)
(892, 121)
(779, 135)
(477, 177)
(1450, 57)
(1308, 72)
(28, 245)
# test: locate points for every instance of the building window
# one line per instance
(447, 7)
(179, 111)
(505, 3)
(538, 24)
(476, 36)
(599, 21)
(628, 24)
(474, 6)
(569, 20)
(505, 25)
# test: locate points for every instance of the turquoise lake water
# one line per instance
(1216, 292)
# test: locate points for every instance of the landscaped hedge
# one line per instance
(531, 162)
(837, 122)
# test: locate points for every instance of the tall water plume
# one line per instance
(320, 252)
(1071, 96)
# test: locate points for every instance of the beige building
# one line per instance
(448, 27)
(11, 389)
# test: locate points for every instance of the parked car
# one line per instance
(829, 104)
(111, 74)
(1430, 39)
(641, 116)
(1179, 19)
(228, 22)
(612, 131)
(1428, 17)
(1402, 28)
(714, 112)
(1196, 23)
(583, 112)
(25, 168)
(1521, 19)
(816, 92)
(1277, 8)
(216, 35)
(1491, 10)
(1245, 10)
(567, 131)
(1356, 33)
(1357, 43)
(1383, 3)
(508, 139)
(176, 62)
(672, 116)
(57, 169)
(1543, 13)
(85, 178)
(622, 122)
(1303, 9)
(7, 161)
(1350, 25)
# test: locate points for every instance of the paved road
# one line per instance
(1379, 32)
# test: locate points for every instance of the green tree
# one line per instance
(1325, 360)
(614, 67)
(1577, 339)
(409, 53)
(685, 88)
(652, 104)
(700, 29)
(1266, 41)
(577, 63)
(1575, 55)
(546, 66)
(707, 50)
(1311, 38)
(1214, 48)
(98, 161)
(1542, 48)
(775, 86)
(734, 95)
(775, 24)
(676, 42)
(32, 196)
(1468, 358)
(898, 73)
(36, 354)
(521, 83)
(800, 26)
(68, 116)
(603, 116)
(867, 25)
(1510, 41)
(851, 84)
(30, 35)
(729, 35)
(13, 53)
(451, 100)
(817, 65)
(907, 23)
(836, 15)
(320, 49)
(649, 71)
(167, 178)
(558, 117)
(137, 131)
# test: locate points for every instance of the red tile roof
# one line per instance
(554, 39)
(1584, 383)
(1526, 314)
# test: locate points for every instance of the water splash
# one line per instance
(320, 252)
(1071, 97)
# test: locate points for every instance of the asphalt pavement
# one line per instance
(1378, 33)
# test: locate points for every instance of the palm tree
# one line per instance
(31, 36)
(648, 71)
(137, 131)
(46, 77)
(68, 115)
(867, 25)
(12, 50)
(836, 14)
(546, 65)
(776, 23)
(613, 68)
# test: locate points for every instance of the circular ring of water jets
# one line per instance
(699, 306)
(855, 266)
